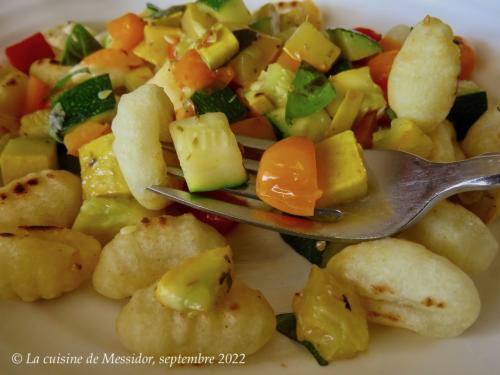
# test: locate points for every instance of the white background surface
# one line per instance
(82, 322)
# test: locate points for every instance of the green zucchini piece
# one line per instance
(73, 106)
(208, 152)
(65, 80)
(154, 12)
(79, 44)
(355, 46)
(340, 65)
(286, 324)
(227, 11)
(316, 252)
(245, 37)
(217, 46)
(313, 126)
(471, 102)
(225, 101)
(312, 92)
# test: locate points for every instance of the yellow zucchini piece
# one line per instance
(195, 22)
(331, 317)
(101, 174)
(346, 113)
(259, 102)
(254, 59)
(137, 77)
(342, 174)
(359, 80)
(308, 44)
(25, 155)
(197, 283)
(154, 46)
(403, 135)
(35, 124)
(217, 46)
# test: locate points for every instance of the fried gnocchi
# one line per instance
(456, 233)
(47, 198)
(242, 322)
(137, 128)
(139, 255)
(402, 284)
(41, 262)
(424, 77)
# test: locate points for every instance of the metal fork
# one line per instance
(402, 188)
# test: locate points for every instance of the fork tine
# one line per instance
(255, 143)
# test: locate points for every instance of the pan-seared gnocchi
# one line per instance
(242, 322)
(403, 284)
(139, 255)
(424, 76)
(137, 128)
(484, 134)
(46, 198)
(445, 147)
(456, 233)
(42, 262)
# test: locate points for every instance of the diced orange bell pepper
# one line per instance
(288, 62)
(36, 92)
(84, 134)
(113, 59)
(224, 75)
(257, 127)
(467, 58)
(126, 31)
(380, 68)
(388, 44)
(191, 71)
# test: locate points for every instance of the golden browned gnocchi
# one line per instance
(42, 262)
(139, 255)
(403, 284)
(46, 198)
(424, 77)
(445, 148)
(12, 91)
(456, 233)
(137, 129)
(484, 135)
(242, 322)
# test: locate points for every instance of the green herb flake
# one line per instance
(286, 324)
(79, 44)
(312, 92)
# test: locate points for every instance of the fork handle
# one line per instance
(479, 173)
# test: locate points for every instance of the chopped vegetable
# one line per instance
(25, 155)
(347, 112)
(380, 67)
(208, 152)
(80, 103)
(137, 77)
(195, 22)
(156, 13)
(112, 59)
(49, 71)
(287, 325)
(308, 44)
(314, 251)
(287, 177)
(227, 11)
(197, 283)
(154, 47)
(312, 92)
(79, 43)
(467, 58)
(364, 128)
(21, 55)
(342, 175)
(369, 33)
(126, 32)
(13, 85)
(35, 124)
(61, 83)
(191, 71)
(257, 127)
(354, 45)
(36, 92)
(83, 134)
(217, 46)
(225, 101)
(313, 126)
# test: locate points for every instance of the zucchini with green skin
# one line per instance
(316, 252)
(354, 46)
(79, 44)
(80, 103)
(208, 152)
(225, 101)
(313, 126)
(471, 102)
(227, 11)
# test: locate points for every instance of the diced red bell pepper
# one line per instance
(369, 33)
(364, 128)
(21, 55)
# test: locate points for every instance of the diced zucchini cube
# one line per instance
(25, 155)
(196, 22)
(308, 44)
(208, 152)
(154, 46)
(35, 124)
(100, 172)
(227, 11)
(217, 46)
(197, 283)
(342, 174)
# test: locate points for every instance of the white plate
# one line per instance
(82, 322)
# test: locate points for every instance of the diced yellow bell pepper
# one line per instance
(403, 135)
(217, 46)
(342, 174)
(346, 113)
(308, 44)
(25, 155)
(101, 174)
(154, 46)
